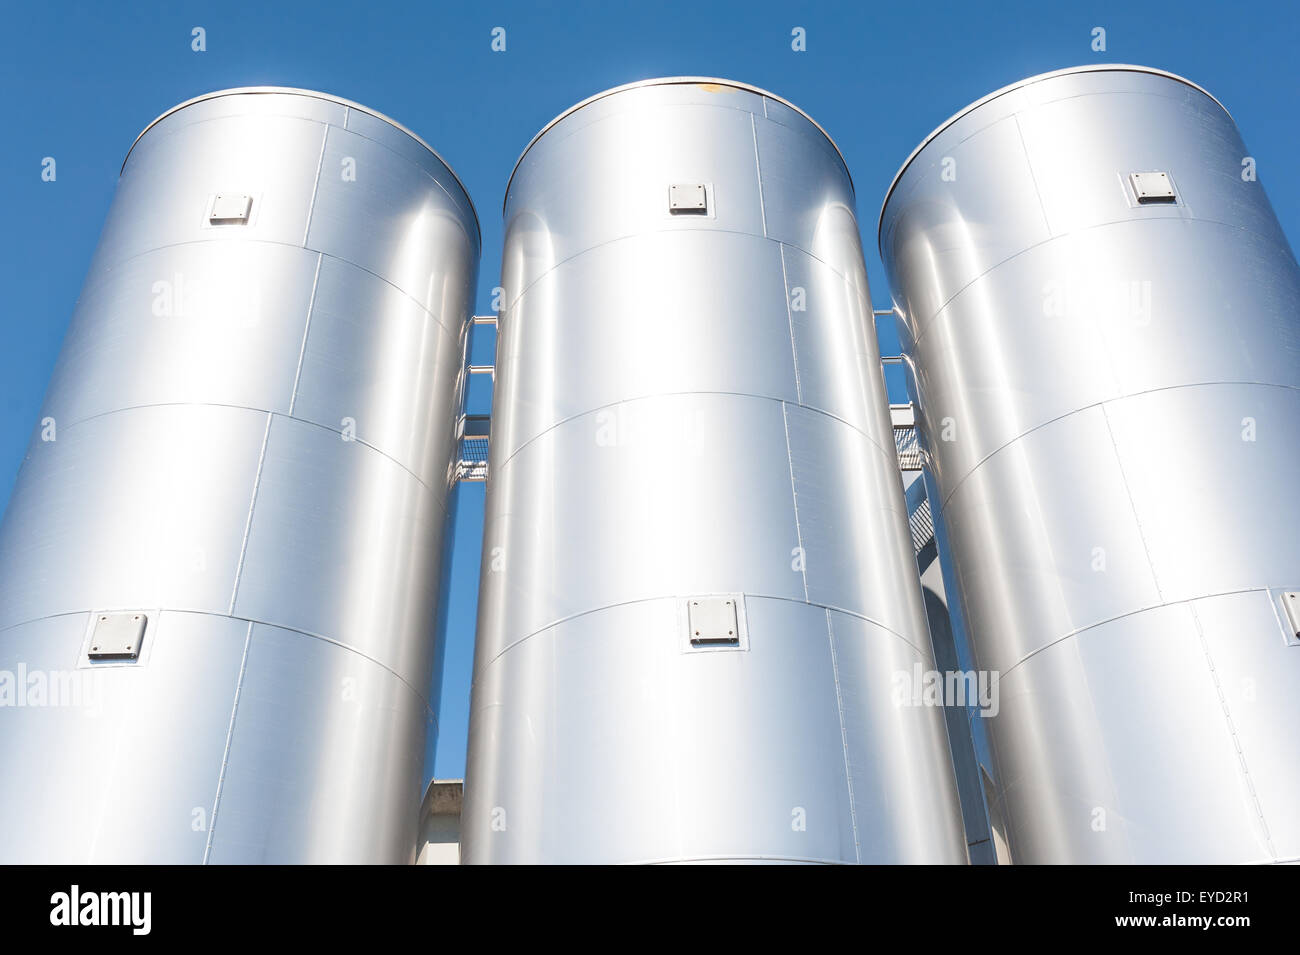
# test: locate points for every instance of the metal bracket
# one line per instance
(1291, 604)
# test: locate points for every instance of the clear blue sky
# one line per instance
(82, 79)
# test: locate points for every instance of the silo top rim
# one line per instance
(673, 81)
(313, 94)
(1093, 68)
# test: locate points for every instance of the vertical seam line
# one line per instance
(302, 350)
(758, 170)
(1024, 147)
(230, 735)
(1232, 731)
(844, 738)
(1128, 492)
(794, 497)
(315, 186)
(789, 312)
(248, 522)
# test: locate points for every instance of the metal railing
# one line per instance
(472, 441)
(908, 444)
(472, 429)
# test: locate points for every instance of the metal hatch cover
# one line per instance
(230, 209)
(713, 621)
(687, 197)
(117, 636)
(1152, 187)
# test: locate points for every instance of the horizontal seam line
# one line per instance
(664, 860)
(250, 620)
(642, 600)
(1064, 235)
(104, 277)
(1131, 613)
(641, 235)
(273, 414)
(1099, 404)
(681, 394)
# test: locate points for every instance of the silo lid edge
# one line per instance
(672, 81)
(312, 94)
(1090, 68)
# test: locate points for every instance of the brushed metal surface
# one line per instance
(682, 403)
(254, 429)
(1109, 394)
(125, 767)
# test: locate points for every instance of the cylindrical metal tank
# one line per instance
(1102, 318)
(698, 588)
(219, 566)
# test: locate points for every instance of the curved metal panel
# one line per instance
(201, 323)
(1111, 76)
(407, 210)
(337, 751)
(306, 560)
(247, 442)
(702, 519)
(691, 89)
(847, 505)
(1098, 738)
(163, 527)
(690, 414)
(117, 764)
(359, 322)
(1109, 402)
(568, 312)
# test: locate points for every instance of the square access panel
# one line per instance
(230, 209)
(713, 621)
(1152, 187)
(687, 197)
(117, 636)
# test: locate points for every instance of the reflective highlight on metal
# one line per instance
(248, 441)
(1109, 400)
(690, 409)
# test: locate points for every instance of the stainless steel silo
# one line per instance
(222, 554)
(698, 587)
(1102, 317)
